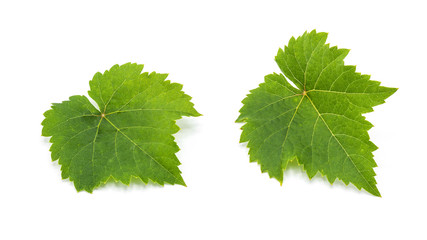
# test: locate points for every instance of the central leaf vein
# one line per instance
(342, 147)
(145, 152)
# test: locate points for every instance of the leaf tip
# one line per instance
(181, 182)
(239, 120)
(197, 114)
(376, 192)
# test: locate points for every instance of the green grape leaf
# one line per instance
(319, 123)
(128, 134)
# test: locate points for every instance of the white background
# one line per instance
(218, 50)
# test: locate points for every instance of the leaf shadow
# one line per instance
(186, 125)
(295, 169)
(135, 183)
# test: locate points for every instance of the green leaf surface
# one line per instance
(128, 135)
(320, 122)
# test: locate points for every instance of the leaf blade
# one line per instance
(330, 134)
(129, 136)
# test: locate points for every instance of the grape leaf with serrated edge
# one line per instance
(319, 123)
(128, 135)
